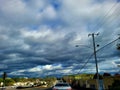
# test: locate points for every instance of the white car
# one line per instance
(62, 86)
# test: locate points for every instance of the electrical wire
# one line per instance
(112, 16)
(86, 62)
(97, 51)
(108, 44)
(100, 25)
(106, 15)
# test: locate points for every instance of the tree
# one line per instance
(116, 85)
(4, 75)
(1, 80)
(95, 76)
(106, 74)
(9, 82)
(4, 78)
(116, 74)
(118, 46)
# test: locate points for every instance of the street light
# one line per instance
(83, 46)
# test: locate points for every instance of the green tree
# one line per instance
(116, 85)
(9, 82)
(100, 76)
(106, 74)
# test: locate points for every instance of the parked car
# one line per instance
(62, 86)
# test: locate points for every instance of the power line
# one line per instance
(108, 44)
(86, 62)
(97, 51)
(112, 17)
(103, 19)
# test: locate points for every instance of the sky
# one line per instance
(38, 37)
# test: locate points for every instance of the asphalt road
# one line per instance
(36, 88)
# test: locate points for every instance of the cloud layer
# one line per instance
(38, 37)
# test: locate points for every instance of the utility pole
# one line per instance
(95, 56)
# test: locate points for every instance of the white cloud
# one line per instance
(12, 7)
(49, 13)
(35, 69)
(43, 68)
(42, 34)
(47, 67)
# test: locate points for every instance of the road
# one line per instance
(36, 88)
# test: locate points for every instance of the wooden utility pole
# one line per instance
(95, 56)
